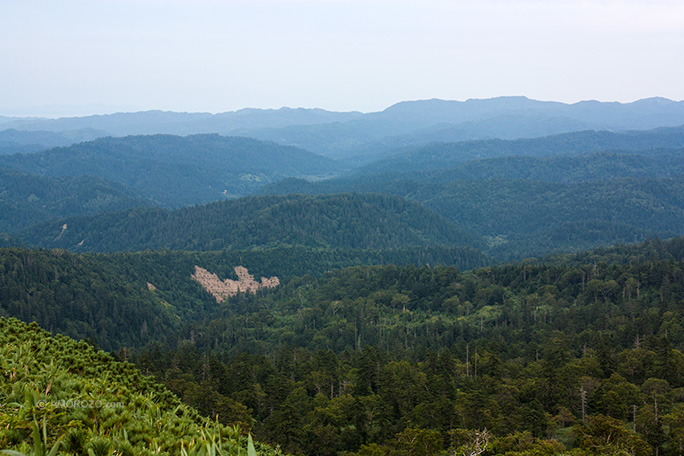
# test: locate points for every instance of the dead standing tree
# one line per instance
(477, 445)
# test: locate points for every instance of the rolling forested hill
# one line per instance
(438, 156)
(539, 201)
(27, 199)
(174, 171)
(559, 193)
(552, 216)
(533, 218)
(8, 148)
(133, 299)
(7, 240)
(597, 166)
(585, 168)
(342, 221)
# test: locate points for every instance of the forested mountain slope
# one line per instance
(589, 167)
(59, 396)
(174, 171)
(438, 156)
(577, 358)
(7, 240)
(495, 296)
(133, 299)
(86, 297)
(650, 250)
(344, 221)
(584, 168)
(544, 216)
(531, 217)
(27, 199)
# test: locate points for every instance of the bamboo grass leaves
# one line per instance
(59, 396)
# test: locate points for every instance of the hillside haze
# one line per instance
(354, 134)
(175, 171)
(27, 199)
(516, 198)
(439, 155)
(531, 197)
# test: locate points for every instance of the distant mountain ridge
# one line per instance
(181, 123)
(349, 134)
(49, 138)
(611, 113)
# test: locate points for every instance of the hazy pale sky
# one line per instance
(94, 56)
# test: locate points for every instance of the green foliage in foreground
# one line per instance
(59, 396)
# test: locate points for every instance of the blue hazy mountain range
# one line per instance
(359, 135)
(610, 172)
(174, 171)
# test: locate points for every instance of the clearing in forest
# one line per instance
(222, 289)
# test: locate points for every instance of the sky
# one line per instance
(78, 57)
